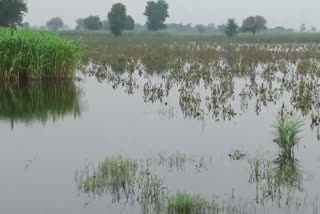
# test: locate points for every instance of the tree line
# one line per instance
(156, 12)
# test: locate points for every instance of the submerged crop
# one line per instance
(37, 55)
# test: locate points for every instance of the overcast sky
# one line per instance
(289, 13)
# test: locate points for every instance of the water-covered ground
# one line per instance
(128, 142)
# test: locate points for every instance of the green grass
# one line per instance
(115, 175)
(39, 101)
(287, 133)
(125, 180)
(183, 203)
(37, 55)
(294, 37)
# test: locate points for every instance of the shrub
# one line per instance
(37, 55)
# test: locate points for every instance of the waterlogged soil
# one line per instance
(126, 142)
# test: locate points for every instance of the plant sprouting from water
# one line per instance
(115, 175)
(125, 180)
(287, 133)
(183, 203)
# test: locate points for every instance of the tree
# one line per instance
(313, 29)
(42, 28)
(303, 28)
(221, 28)
(129, 23)
(117, 19)
(211, 27)
(105, 25)
(201, 28)
(231, 28)
(89, 23)
(12, 12)
(254, 24)
(79, 24)
(55, 24)
(156, 13)
(25, 26)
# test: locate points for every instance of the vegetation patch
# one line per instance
(287, 134)
(183, 203)
(126, 181)
(37, 55)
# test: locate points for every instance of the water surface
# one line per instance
(53, 133)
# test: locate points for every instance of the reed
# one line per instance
(287, 133)
(183, 203)
(37, 55)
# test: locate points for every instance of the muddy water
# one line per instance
(41, 156)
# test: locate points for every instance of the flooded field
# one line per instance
(167, 126)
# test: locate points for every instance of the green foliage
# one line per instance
(156, 13)
(124, 180)
(183, 203)
(32, 101)
(289, 38)
(129, 23)
(55, 24)
(89, 23)
(254, 24)
(231, 28)
(12, 12)
(37, 55)
(117, 19)
(287, 133)
(115, 175)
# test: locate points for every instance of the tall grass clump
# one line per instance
(287, 133)
(115, 175)
(37, 55)
(183, 203)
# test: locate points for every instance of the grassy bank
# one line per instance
(37, 55)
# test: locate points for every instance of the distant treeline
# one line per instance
(117, 20)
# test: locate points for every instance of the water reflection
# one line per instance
(276, 180)
(39, 101)
(221, 90)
